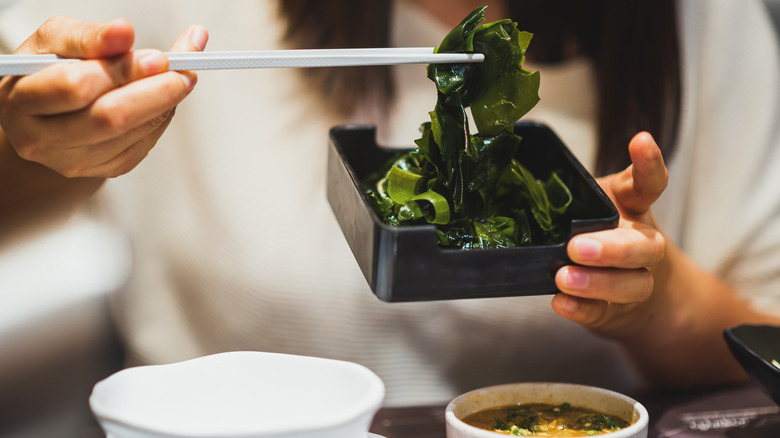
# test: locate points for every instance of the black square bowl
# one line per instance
(404, 264)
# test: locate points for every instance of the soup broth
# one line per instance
(545, 420)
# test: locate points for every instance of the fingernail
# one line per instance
(574, 279)
(189, 80)
(587, 249)
(651, 153)
(199, 37)
(153, 61)
(116, 22)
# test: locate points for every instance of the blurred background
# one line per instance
(56, 336)
(774, 9)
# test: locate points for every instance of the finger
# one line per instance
(72, 38)
(193, 39)
(639, 186)
(69, 87)
(583, 311)
(112, 115)
(622, 286)
(627, 247)
(131, 156)
(91, 160)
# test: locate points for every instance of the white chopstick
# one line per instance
(18, 65)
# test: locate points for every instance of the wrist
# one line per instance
(678, 336)
(32, 195)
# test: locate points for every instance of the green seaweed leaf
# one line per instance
(470, 185)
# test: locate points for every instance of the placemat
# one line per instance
(734, 413)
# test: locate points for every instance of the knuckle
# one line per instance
(153, 123)
(110, 117)
(72, 171)
(153, 128)
(45, 30)
(174, 88)
(80, 43)
(77, 88)
(647, 286)
(47, 33)
(128, 160)
(122, 167)
(28, 153)
(160, 120)
(30, 149)
(626, 253)
(110, 172)
(596, 314)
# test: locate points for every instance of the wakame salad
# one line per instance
(469, 184)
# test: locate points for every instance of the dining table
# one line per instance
(739, 411)
(69, 326)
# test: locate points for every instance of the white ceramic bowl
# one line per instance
(240, 394)
(608, 402)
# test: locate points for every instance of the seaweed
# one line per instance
(471, 186)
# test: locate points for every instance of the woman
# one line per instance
(236, 248)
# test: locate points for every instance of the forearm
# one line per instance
(32, 195)
(681, 340)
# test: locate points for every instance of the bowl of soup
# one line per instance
(544, 409)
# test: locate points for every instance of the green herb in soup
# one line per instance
(545, 420)
(470, 185)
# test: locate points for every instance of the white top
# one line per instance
(236, 248)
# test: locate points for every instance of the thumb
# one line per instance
(72, 38)
(193, 39)
(637, 187)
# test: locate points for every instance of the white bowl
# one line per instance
(240, 394)
(608, 402)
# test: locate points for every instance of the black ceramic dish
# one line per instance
(755, 347)
(406, 264)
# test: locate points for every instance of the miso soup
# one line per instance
(545, 420)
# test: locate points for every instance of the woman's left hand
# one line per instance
(614, 272)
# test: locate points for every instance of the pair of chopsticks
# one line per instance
(18, 65)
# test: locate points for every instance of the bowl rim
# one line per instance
(637, 426)
(366, 404)
(736, 335)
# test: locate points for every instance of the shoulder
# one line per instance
(730, 32)
(731, 64)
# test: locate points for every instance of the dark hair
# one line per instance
(316, 24)
(633, 44)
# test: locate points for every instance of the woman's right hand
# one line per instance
(100, 117)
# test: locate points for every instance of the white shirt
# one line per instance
(235, 246)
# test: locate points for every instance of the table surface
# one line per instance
(728, 412)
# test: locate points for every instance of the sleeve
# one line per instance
(724, 200)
